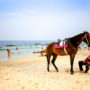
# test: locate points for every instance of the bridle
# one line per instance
(86, 39)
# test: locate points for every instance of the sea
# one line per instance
(24, 48)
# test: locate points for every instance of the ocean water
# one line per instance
(25, 48)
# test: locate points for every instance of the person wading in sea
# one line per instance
(8, 51)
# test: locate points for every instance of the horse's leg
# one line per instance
(71, 62)
(53, 61)
(48, 61)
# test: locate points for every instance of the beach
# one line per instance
(30, 73)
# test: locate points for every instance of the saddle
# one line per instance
(63, 44)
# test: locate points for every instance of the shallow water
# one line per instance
(25, 48)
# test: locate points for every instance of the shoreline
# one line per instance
(38, 55)
(23, 56)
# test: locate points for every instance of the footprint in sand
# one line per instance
(22, 88)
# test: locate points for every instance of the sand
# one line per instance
(30, 73)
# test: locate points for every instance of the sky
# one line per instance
(43, 19)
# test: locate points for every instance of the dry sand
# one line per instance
(30, 73)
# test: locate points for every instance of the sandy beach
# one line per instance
(30, 73)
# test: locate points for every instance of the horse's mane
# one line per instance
(77, 35)
(76, 38)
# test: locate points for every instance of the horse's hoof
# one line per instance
(85, 72)
(57, 71)
(72, 73)
(48, 70)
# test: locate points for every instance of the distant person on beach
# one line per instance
(42, 47)
(79, 48)
(16, 48)
(42, 51)
(88, 48)
(84, 62)
(8, 51)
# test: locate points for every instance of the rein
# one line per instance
(86, 39)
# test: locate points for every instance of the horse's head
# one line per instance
(87, 38)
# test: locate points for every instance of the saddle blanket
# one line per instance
(62, 44)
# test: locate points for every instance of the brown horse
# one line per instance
(72, 48)
(87, 39)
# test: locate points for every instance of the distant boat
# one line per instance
(10, 45)
(37, 44)
(0, 47)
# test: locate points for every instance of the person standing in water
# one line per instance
(8, 51)
(42, 51)
(89, 48)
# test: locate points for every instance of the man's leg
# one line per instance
(81, 64)
(87, 68)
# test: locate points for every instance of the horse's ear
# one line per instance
(84, 32)
(87, 32)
